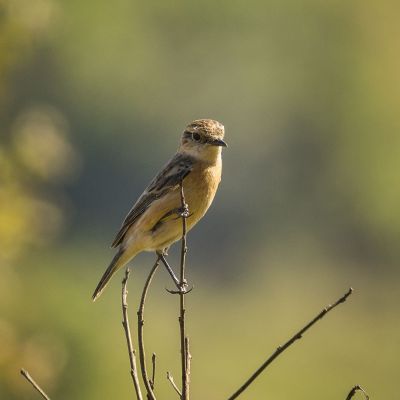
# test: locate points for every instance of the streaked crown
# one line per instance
(205, 131)
(207, 127)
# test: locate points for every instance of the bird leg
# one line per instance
(181, 288)
(162, 255)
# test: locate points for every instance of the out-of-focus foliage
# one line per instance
(38, 153)
(93, 97)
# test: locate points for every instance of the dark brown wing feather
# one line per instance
(169, 177)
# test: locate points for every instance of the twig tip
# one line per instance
(28, 377)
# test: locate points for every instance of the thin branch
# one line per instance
(356, 389)
(125, 324)
(26, 375)
(188, 357)
(182, 284)
(142, 354)
(171, 380)
(282, 348)
(153, 374)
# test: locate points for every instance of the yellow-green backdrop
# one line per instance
(93, 98)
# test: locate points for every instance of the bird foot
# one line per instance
(184, 211)
(182, 289)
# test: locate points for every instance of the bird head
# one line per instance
(203, 138)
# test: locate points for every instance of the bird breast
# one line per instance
(158, 228)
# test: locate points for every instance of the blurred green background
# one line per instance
(93, 98)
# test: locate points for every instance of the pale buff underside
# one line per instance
(199, 187)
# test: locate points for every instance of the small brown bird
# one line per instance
(152, 223)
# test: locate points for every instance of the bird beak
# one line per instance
(218, 142)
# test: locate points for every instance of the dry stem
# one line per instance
(183, 283)
(282, 348)
(125, 324)
(153, 374)
(26, 375)
(142, 354)
(172, 382)
(188, 357)
(354, 390)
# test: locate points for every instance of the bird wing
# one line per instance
(167, 179)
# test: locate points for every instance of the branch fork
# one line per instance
(182, 290)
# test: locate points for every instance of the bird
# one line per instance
(153, 223)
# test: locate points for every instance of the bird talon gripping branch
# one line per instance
(185, 211)
(184, 289)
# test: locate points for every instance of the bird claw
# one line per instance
(183, 289)
(184, 211)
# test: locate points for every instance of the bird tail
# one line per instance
(119, 260)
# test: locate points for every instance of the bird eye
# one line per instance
(196, 137)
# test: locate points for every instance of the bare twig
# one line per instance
(188, 357)
(182, 284)
(356, 389)
(26, 375)
(142, 354)
(171, 380)
(153, 374)
(282, 348)
(125, 324)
